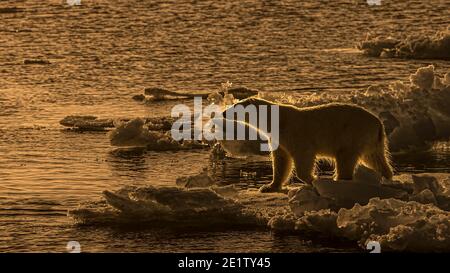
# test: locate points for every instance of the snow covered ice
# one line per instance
(412, 212)
(169, 207)
(135, 133)
(418, 219)
(417, 46)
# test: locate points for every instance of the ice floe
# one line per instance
(93, 123)
(87, 123)
(397, 225)
(135, 133)
(152, 133)
(412, 47)
(152, 94)
(168, 207)
(410, 213)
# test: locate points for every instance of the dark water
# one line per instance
(103, 52)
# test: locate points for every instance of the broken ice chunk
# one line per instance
(397, 225)
(423, 78)
(375, 47)
(282, 223)
(425, 197)
(201, 180)
(305, 198)
(131, 133)
(423, 182)
(366, 175)
(416, 46)
(89, 123)
(135, 133)
(347, 192)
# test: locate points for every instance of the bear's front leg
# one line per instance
(282, 169)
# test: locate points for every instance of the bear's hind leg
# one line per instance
(305, 166)
(345, 165)
(282, 168)
(380, 163)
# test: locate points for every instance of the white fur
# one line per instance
(346, 133)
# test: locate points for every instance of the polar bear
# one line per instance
(346, 133)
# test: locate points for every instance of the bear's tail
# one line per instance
(379, 157)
